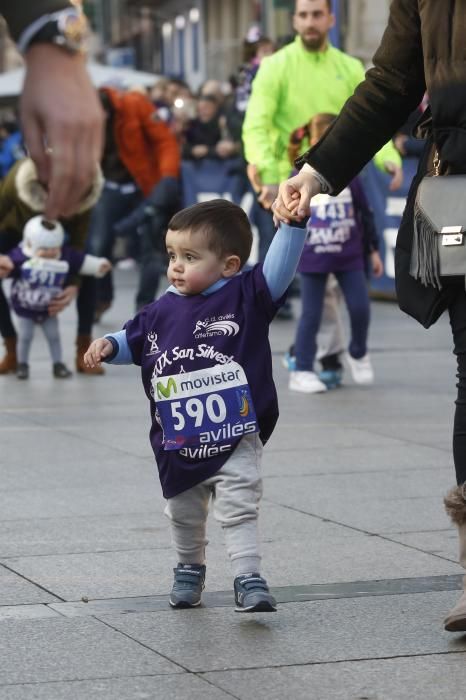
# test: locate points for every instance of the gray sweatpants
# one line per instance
(331, 335)
(26, 328)
(235, 491)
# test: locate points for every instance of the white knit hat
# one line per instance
(40, 233)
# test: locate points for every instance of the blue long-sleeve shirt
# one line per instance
(279, 269)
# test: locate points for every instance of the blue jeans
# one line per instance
(111, 207)
(353, 284)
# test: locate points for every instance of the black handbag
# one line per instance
(439, 235)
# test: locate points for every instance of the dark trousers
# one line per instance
(457, 312)
(111, 207)
(263, 219)
(354, 287)
(153, 261)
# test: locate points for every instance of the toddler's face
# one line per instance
(50, 253)
(192, 267)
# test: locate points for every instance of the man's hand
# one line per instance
(397, 175)
(254, 177)
(400, 144)
(267, 196)
(62, 122)
(104, 267)
(6, 266)
(376, 264)
(97, 351)
(199, 151)
(62, 300)
(225, 149)
(294, 197)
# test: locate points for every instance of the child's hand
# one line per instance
(6, 266)
(97, 351)
(104, 267)
(377, 264)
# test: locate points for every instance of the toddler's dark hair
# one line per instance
(224, 224)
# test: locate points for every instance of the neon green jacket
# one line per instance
(291, 86)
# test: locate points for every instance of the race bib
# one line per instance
(41, 280)
(208, 406)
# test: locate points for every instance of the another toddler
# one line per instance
(341, 235)
(39, 267)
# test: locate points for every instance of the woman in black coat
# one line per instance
(422, 49)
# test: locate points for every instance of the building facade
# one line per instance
(199, 39)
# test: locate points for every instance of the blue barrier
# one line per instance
(210, 178)
(388, 209)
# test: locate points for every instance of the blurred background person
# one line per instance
(141, 154)
(207, 135)
(23, 196)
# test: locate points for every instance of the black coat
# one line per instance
(422, 48)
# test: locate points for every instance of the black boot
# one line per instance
(22, 370)
(61, 371)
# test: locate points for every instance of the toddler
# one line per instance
(206, 369)
(39, 267)
(341, 233)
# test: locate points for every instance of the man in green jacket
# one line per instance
(307, 77)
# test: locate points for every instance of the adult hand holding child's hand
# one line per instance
(294, 197)
(97, 351)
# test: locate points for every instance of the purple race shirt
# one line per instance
(334, 239)
(36, 281)
(206, 367)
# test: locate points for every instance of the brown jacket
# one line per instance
(145, 143)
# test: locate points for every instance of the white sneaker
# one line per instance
(361, 369)
(306, 383)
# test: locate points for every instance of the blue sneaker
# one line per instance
(188, 586)
(289, 362)
(252, 594)
(331, 377)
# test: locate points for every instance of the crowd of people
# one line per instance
(60, 219)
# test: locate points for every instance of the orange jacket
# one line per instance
(146, 145)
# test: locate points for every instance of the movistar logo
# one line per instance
(166, 391)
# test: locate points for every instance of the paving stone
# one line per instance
(104, 499)
(156, 687)
(373, 513)
(16, 590)
(72, 649)
(427, 677)
(301, 560)
(299, 633)
(356, 460)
